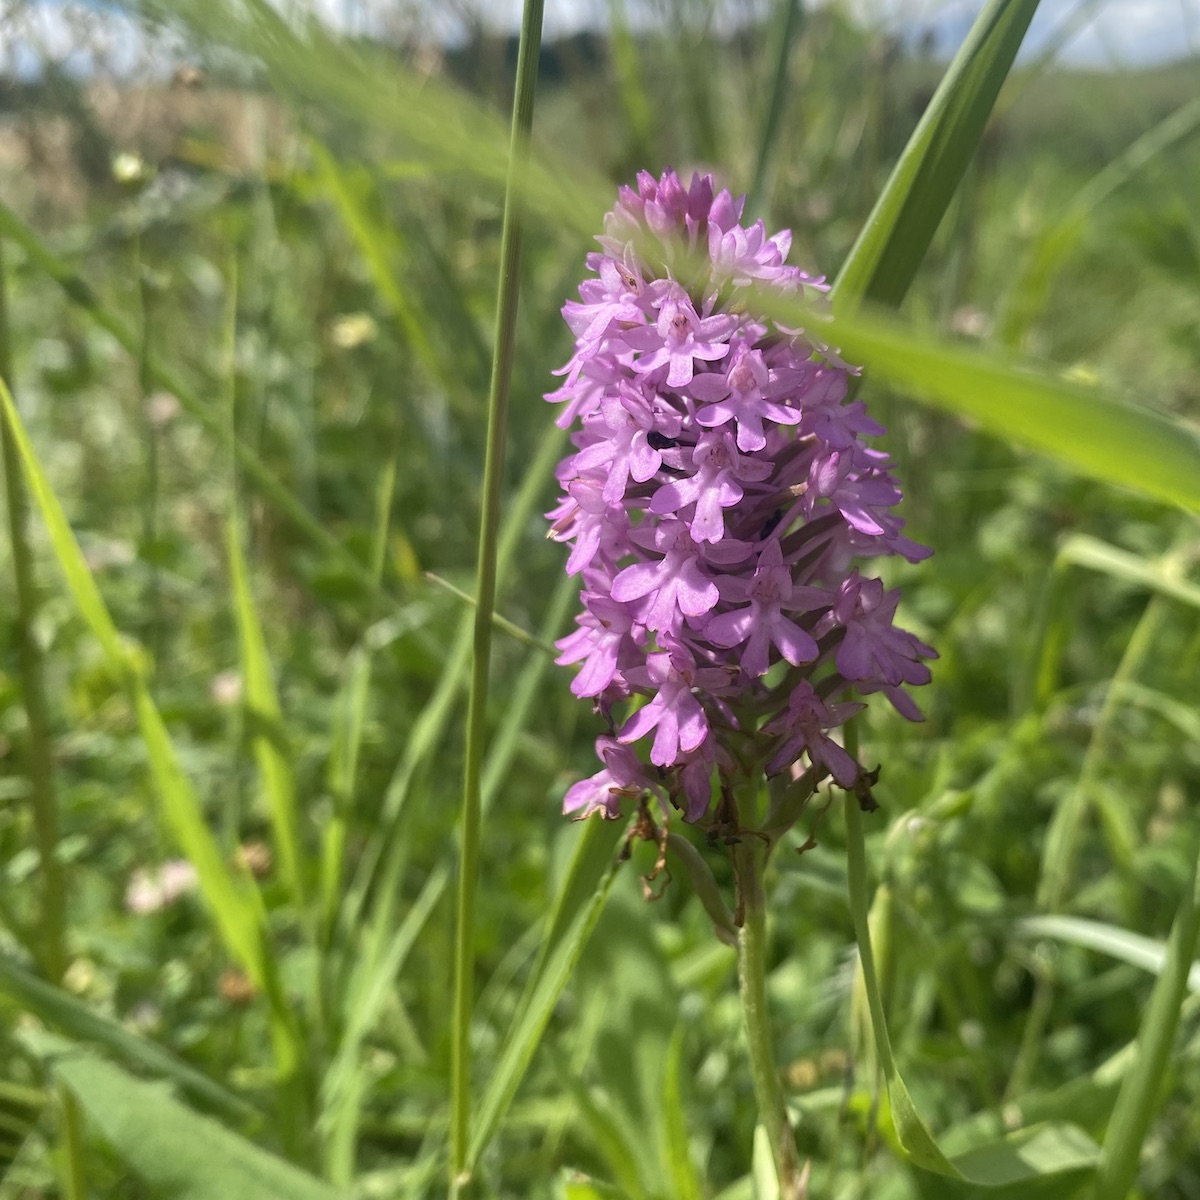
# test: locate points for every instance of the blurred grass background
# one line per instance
(282, 250)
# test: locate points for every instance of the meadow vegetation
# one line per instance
(247, 322)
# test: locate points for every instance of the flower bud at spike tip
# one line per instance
(719, 493)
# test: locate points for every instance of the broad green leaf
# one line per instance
(235, 903)
(580, 901)
(1141, 1094)
(266, 722)
(64, 1012)
(1087, 429)
(893, 242)
(178, 1154)
(1025, 1156)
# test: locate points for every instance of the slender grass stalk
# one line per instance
(749, 857)
(40, 751)
(1141, 1092)
(485, 573)
(792, 18)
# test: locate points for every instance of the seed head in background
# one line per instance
(718, 498)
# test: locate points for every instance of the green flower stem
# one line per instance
(485, 574)
(40, 751)
(749, 856)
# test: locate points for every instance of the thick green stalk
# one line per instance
(40, 750)
(749, 856)
(485, 573)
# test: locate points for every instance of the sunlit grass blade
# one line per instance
(382, 247)
(893, 242)
(1061, 846)
(1141, 1094)
(62, 1011)
(577, 908)
(1088, 429)
(235, 905)
(1122, 944)
(444, 131)
(1163, 576)
(265, 716)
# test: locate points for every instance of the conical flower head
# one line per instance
(719, 494)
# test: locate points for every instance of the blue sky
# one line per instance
(1128, 31)
(1115, 32)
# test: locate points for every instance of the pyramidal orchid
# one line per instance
(720, 494)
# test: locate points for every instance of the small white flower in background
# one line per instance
(226, 689)
(152, 890)
(161, 409)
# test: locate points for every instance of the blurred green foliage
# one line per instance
(324, 291)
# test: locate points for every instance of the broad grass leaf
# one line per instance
(1093, 432)
(893, 242)
(178, 1153)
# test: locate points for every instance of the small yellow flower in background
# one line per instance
(353, 329)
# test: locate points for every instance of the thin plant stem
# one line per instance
(485, 574)
(40, 751)
(749, 856)
(792, 17)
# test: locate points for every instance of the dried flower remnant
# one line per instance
(719, 493)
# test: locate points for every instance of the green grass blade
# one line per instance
(178, 1153)
(893, 242)
(236, 908)
(788, 21)
(677, 1153)
(64, 1012)
(1122, 944)
(1163, 576)
(580, 901)
(1141, 1095)
(265, 718)
(1087, 429)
